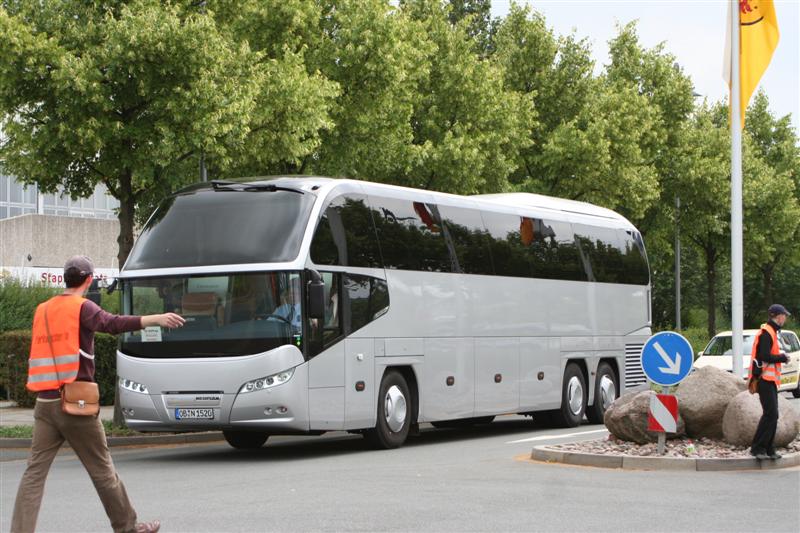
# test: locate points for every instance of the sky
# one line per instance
(692, 30)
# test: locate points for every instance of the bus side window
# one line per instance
(635, 268)
(410, 235)
(509, 253)
(332, 327)
(604, 251)
(345, 234)
(328, 330)
(565, 260)
(366, 299)
(470, 239)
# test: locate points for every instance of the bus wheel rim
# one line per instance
(608, 391)
(575, 395)
(395, 409)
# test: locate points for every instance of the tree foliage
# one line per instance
(424, 93)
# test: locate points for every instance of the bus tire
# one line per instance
(573, 399)
(394, 413)
(606, 390)
(245, 440)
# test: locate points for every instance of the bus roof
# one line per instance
(518, 200)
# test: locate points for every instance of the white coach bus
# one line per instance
(315, 304)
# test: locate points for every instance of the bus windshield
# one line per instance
(223, 227)
(226, 315)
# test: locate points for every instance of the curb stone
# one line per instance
(134, 440)
(634, 462)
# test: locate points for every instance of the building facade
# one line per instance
(39, 232)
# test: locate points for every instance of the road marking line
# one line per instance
(549, 437)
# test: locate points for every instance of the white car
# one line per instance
(718, 353)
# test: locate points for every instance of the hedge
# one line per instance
(20, 301)
(14, 350)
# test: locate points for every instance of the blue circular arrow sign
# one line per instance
(667, 358)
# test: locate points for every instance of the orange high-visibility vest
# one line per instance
(770, 372)
(55, 360)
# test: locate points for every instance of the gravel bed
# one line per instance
(681, 447)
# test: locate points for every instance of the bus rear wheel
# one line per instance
(245, 440)
(606, 390)
(573, 399)
(394, 413)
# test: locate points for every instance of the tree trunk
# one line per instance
(127, 206)
(711, 288)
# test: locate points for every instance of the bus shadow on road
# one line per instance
(290, 448)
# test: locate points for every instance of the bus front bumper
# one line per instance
(215, 401)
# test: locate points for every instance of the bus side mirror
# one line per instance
(111, 287)
(316, 296)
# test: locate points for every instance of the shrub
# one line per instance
(20, 301)
(14, 350)
(697, 337)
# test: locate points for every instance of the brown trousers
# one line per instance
(88, 440)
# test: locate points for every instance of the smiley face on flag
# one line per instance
(750, 12)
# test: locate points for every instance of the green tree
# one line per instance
(704, 189)
(378, 56)
(655, 75)
(129, 94)
(590, 139)
(771, 199)
(772, 223)
(467, 127)
(480, 26)
(775, 140)
(296, 99)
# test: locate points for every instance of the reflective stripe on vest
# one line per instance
(769, 372)
(55, 360)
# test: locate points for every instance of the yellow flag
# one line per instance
(758, 38)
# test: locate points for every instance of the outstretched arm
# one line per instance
(165, 320)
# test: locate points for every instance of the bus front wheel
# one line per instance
(573, 399)
(245, 440)
(394, 413)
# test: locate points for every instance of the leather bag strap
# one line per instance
(50, 341)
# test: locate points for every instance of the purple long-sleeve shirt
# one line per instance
(94, 319)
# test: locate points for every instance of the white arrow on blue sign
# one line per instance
(667, 358)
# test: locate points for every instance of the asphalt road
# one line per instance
(442, 480)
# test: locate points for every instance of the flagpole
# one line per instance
(737, 306)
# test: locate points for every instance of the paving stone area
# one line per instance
(682, 447)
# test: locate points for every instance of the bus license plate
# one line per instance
(194, 414)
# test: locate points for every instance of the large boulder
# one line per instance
(703, 398)
(626, 418)
(744, 411)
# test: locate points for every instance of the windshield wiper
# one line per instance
(249, 187)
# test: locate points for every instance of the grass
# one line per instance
(16, 432)
(26, 432)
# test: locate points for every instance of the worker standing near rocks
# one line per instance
(765, 366)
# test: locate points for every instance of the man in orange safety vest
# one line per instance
(765, 363)
(62, 351)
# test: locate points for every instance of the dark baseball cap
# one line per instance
(80, 263)
(778, 309)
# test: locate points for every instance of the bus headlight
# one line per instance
(132, 386)
(267, 382)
